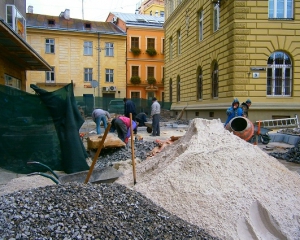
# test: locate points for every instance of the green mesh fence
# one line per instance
(142, 105)
(43, 128)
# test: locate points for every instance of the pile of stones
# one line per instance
(141, 151)
(292, 155)
(87, 211)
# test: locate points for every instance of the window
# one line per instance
(109, 75)
(50, 76)
(201, 25)
(109, 49)
(279, 75)
(12, 82)
(135, 71)
(178, 42)
(51, 22)
(88, 74)
(162, 13)
(15, 19)
(87, 25)
(135, 42)
(215, 81)
(178, 88)
(216, 17)
(199, 84)
(150, 43)
(135, 95)
(150, 72)
(163, 46)
(50, 44)
(281, 9)
(171, 90)
(88, 48)
(171, 48)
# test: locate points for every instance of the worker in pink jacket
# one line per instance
(122, 125)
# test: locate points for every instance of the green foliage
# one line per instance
(135, 80)
(136, 51)
(151, 80)
(151, 51)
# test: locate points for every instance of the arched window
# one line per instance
(178, 88)
(199, 83)
(279, 75)
(171, 90)
(215, 80)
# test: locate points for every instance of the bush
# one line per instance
(151, 51)
(135, 80)
(136, 51)
(151, 80)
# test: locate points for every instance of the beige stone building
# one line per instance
(151, 7)
(90, 54)
(220, 50)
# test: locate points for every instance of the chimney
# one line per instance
(67, 14)
(30, 9)
(156, 13)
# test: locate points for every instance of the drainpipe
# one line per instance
(99, 49)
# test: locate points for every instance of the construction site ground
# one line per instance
(168, 129)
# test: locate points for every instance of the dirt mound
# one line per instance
(213, 179)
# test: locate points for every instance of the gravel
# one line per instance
(86, 211)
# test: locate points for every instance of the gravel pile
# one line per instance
(141, 151)
(292, 155)
(86, 211)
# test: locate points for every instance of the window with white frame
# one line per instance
(88, 48)
(50, 45)
(109, 75)
(281, 9)
(88, 74)
(109, 49)
(279, 74)
(50, 76)
(171, 48)
(215, 81)
(15, 19)
(199, 84)
(12, 82)
(201, 25)
(162, 13)
(178, 42)
(216, 17)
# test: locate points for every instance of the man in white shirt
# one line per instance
(155, 114)
(99, 115)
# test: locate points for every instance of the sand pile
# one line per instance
(223, 184)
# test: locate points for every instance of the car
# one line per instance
(116, 106)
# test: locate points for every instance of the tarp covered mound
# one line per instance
(42, 128)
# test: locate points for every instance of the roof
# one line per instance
(75, 25)
(140, 19)
(15, 49)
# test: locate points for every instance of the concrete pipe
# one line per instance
(241, 127)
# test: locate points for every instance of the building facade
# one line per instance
(17, 56)
(144, 54)
(224, 49)
(151, 7)
(89, 54)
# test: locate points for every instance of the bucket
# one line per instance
(241, 127)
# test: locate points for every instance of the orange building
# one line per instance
(144, 54)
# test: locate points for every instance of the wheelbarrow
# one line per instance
(99, 175)
(263, 135)
(149, 127)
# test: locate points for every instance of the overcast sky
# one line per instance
(95, 10)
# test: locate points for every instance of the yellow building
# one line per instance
(144, 54)
(17, 56)
(89, 54)
(151, 7)
(220, 50)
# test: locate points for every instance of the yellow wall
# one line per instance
(69, 61)
(246, 38)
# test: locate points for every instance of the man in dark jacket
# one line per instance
(245, 106)
(129, 107)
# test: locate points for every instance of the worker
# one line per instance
(122, 125)
(245, 106)
(141, 118)
(129, 107)
(234, 111)
(98, 116)
(155, 114)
